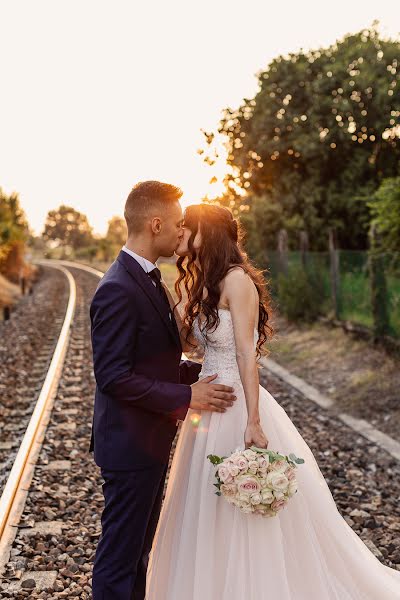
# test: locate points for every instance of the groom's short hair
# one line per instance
(147, 199)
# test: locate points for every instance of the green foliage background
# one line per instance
(310, 150)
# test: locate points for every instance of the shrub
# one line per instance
(299, 295)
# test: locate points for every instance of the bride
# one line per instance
(205, 548)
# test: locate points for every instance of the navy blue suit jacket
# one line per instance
(143, 387)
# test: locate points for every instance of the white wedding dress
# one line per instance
(206, 549)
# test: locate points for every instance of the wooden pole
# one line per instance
(334, 268)
(283, 250)
(304, 246)
(379, 295)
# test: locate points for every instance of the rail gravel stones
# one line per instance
(27, 343)
(53, 552)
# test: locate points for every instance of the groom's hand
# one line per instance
(214, 397)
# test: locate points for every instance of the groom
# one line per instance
(143, 389)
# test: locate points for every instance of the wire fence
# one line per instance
(357, 286)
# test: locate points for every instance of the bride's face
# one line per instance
(183, 248)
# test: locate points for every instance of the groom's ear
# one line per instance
(156, 225)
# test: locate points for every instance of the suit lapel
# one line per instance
(141, 277)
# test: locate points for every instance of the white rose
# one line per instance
(267, 496)
(255, 499)
(278, 495)
(250, 454)
(253, 467)
(277, 480)
(233, 469)
(263, 462)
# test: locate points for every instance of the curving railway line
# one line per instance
(64, 376)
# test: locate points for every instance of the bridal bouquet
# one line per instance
(256, 480)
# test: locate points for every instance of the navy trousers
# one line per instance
(132, 508)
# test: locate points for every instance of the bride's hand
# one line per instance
(254, 436)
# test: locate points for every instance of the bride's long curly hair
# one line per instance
(221, 250)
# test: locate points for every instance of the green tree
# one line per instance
(67, 227)
(318, 138)
(117, 231)
(385, 209)
(14, 231)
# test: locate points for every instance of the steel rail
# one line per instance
(23, 466)
(12, 500)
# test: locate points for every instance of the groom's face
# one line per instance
(171, 232)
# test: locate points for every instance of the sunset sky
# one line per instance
(99, 95)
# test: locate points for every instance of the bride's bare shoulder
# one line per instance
(237, 281)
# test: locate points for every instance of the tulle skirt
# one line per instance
(206, 549)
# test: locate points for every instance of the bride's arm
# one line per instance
(242, 297)
(182, 328)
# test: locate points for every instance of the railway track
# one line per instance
(52, 526)
(27, 343)
(64, 383)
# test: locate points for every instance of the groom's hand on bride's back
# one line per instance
(214, 397)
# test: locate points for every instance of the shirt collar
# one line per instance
(146, 265)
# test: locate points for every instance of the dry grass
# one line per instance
(362, 379)
(9, 292)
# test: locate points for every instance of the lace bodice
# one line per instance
(220, 348)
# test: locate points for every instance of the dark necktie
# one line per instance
(155, 275)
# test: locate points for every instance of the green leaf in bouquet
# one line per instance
(296, 459)
(214, 459)
(260, 450)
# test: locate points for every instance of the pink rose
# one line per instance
(292, 489)
(228, 489)
(248, 485)
(242, 463)
(279, 465)
(290, 473)
(278, 504)
(224, 475)
(233, 469)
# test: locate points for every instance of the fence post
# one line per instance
(283, 250)
(379, 294)
(334, 268)
(304, 245)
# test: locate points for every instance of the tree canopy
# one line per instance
(67, 227)
(317, 140)
(13, 231)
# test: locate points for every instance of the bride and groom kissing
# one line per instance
(200, 547)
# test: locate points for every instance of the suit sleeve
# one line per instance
(113, 330)
(189, 371)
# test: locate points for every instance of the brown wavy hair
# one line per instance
(221, 250)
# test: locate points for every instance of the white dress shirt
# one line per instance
(146, 265)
